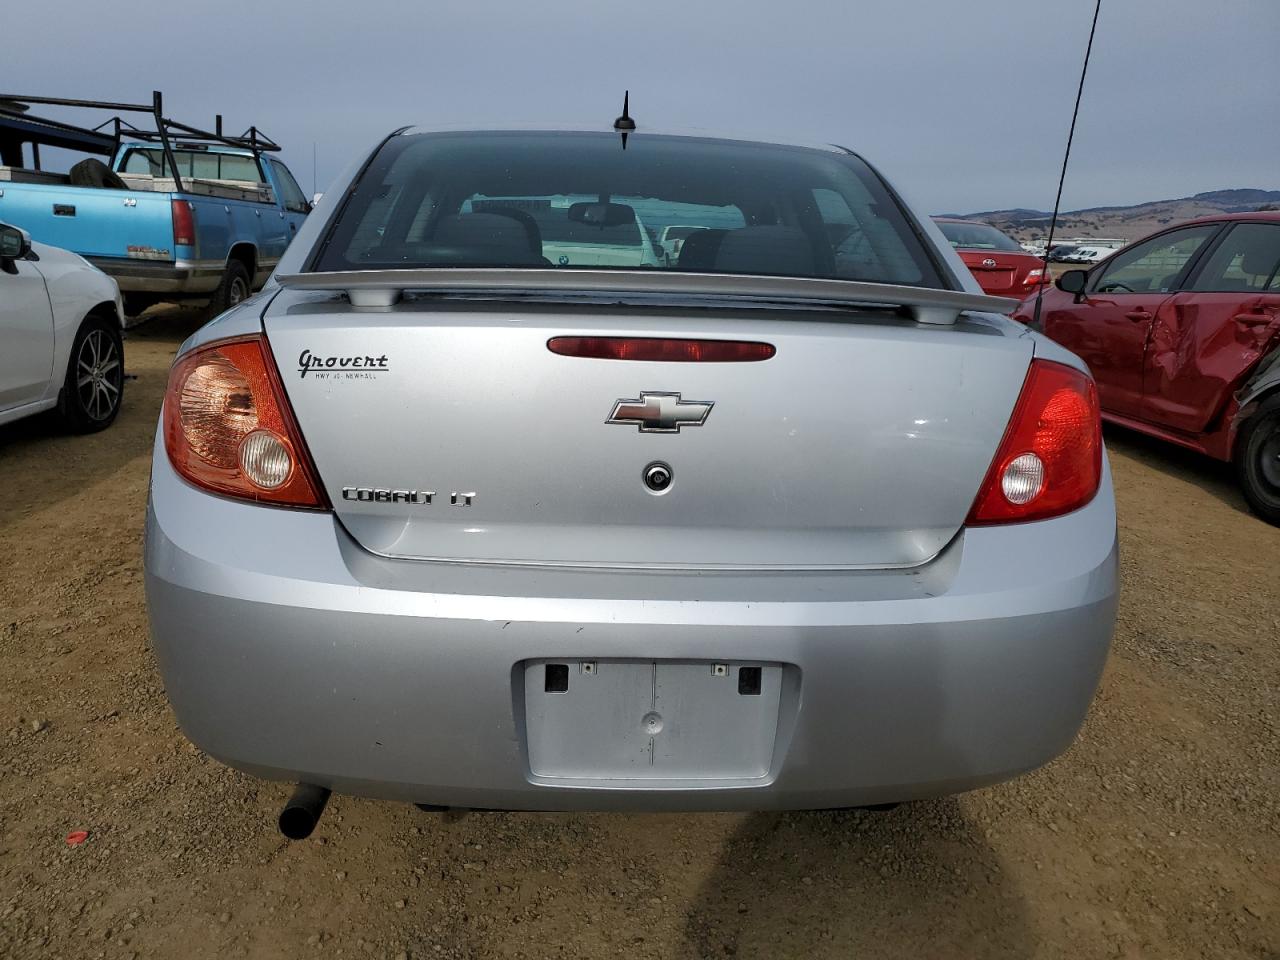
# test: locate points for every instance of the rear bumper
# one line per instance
(1016, 291)
(292, 654)
(176, 277)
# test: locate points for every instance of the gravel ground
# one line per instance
(1157, 835)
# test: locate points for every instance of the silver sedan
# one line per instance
(476, 505)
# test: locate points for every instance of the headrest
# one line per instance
(487, 239)
(1258, 261)
(698, 252)
(766, 250)
(532, 231)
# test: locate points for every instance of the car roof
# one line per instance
(1247, 215)
(665, 133)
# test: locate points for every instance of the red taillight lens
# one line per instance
(677, 350)
(184, 224)
(1050, 461)
(228, 427)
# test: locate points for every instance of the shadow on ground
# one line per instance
(920, 881)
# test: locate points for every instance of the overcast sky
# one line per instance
(963, 105)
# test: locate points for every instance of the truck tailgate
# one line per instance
(92, 221)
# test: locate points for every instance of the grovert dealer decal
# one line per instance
(356, 366)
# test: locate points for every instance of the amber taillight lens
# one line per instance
(228, 427)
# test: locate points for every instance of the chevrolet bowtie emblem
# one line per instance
(660, 412)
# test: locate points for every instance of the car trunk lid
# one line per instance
(446, 429)
(998, 272)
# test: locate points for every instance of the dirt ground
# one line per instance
(1157, 835)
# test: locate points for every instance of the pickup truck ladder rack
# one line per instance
(13, 117)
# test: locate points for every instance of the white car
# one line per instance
(1088, 254)
(60, 323)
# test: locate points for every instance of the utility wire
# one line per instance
(1057, 203)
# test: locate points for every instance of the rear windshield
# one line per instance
(509, 199)
(977, 236)
(193, 164)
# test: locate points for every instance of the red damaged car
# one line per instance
(1000, 265)
(1182, 333)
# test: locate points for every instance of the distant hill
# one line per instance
(1128, 222)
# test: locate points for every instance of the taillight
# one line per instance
(184, 224)
(1035, 277)
(1050, 460)
(228, 427)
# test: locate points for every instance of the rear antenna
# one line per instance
(624, 124)
(1053, 223)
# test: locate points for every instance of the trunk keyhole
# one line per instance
(657, 477)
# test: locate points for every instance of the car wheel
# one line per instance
(1258, 460)
(94, 385)
(233, 290)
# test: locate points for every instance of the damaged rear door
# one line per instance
(1207, 338)
(1111, 328)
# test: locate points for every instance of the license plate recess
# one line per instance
(651, 720)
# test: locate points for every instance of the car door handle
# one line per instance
(1138, 316)
(1253, 319)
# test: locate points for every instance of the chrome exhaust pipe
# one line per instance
(301, 814)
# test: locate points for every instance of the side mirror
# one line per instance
(1073, 282)
(14, 243)
(602, 214)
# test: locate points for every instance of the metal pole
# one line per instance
(1057, 203)
(157, 108)
(63, 102)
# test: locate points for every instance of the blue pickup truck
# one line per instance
(175, 213)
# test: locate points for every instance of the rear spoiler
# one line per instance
(382, 288)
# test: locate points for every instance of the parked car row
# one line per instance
(997, 261)
(1181, 331)
(704, 327)
(1084, 254)
(204, 216)
(1182, 334)
(174, 214)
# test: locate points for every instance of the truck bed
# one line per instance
(221, 189)
(129, 232)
